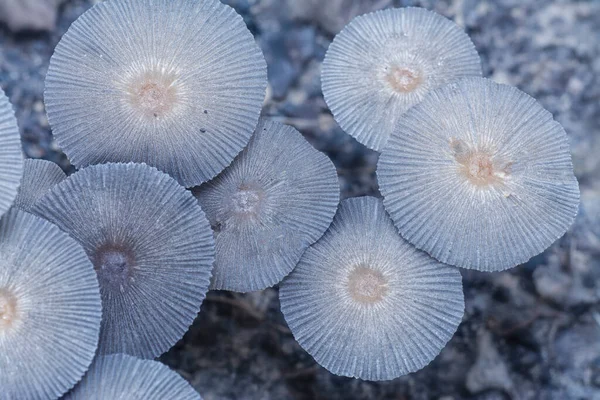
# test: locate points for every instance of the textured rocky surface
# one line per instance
(529, 333)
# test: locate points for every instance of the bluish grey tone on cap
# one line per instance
(178, 85)
(367, 304)
(38, 177)
(383, 63)
(123, 377)
(151, 246)
(277, 198)
(11, 156)
(479, 175)
(50, 309)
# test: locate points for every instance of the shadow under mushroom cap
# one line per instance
(479, 175)
(50, 309)
(121, 376)
(383, 63)
(277, 197)
(178, 85)
(151, 246)
(367, 304)
(11, 157)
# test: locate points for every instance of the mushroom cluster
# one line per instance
(106, 269)
(473, 174)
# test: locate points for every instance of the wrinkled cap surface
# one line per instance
(11, 157)
(50, 309)
(38, 177)
(278, 197)
(367, 304)
(383, 63)
(178, 85)
(123, 377)
(479, 175)
(150, 244)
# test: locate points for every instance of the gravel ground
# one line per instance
(529, 333)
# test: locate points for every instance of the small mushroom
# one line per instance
(150, 244)
(50, 309)
(479, 175)
(121, 376)
(383, 63)
(38, 177)
(367, 304)
(276, 199)
(178, 85)
(11, 157)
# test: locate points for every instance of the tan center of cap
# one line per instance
(478, 165)
(8, 309)
(153, 94)
(404, 80)
(366, 285)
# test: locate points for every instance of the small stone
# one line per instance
(489, 370)
(24, 15)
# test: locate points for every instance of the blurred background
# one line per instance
(529, 333)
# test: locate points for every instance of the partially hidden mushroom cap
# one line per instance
(178, 85)
(121, 376)
(367, 304)
(479, 175)
(151, 246)
(277, 198)
(11, 157)
(383, 63)
(50, 309)
(38, 177)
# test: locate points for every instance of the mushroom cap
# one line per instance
(50, 309)
(367, 304)
(123, 377)
(151, 246)
(11, 157)
(276, 199)
(479, 175)
(38, 177)
(178, 85)
(384, 62)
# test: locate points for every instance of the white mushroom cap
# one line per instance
(479, 175)
(383, 63)
(50, 309)
(276, 199)
(367, 304)
(11, 156)
(38, 177)
(123, 377)
(178, 85)
(151, 246)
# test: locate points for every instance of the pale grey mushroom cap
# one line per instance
(50, 309)
(38, 177)
(367, 304)
(276, 199)
(151, 246)
(11, 156)
(123, 377)
(383, 63)
(479, 175)
(178, 85)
